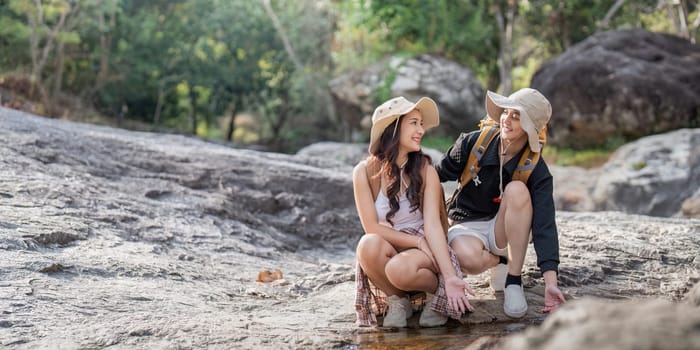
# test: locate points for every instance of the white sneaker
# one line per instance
(398, 310)
(498, 277)
(429, 317)
(514, 303)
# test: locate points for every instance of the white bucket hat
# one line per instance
(534, 109)
(391, 110)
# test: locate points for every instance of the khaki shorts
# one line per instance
(483, 230)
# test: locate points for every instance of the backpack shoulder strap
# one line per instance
(444, 219)
(526, 165)
(471, 170)
(529, 159)
(373, 177)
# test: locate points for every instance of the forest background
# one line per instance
(256, 72)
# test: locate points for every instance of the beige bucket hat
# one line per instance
(391, 110)
(534, 109)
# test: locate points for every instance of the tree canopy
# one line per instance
(257, 71)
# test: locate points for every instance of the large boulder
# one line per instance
(654, 175)
(621, 84)
(599, 324)
(455, 88)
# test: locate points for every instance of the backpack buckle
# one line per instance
(475, 176)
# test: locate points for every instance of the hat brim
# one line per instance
(428, 109)
(495, 104)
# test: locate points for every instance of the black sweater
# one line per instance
(474, 203)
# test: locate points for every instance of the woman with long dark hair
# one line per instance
(398, 197)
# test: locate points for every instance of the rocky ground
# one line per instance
(121, 239)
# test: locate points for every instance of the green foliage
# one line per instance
(461, 30)
(189, 64)
(639, 165)
(588, 158)
(522, 74)
(383, 91)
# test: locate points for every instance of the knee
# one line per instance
(517, 195)
(470, 259)
(399, 271)
(370, 246)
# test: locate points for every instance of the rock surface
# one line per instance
(595, 324)
(124, 239)
(625, 83)
(655, 175)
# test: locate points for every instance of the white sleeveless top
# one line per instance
(403, 218)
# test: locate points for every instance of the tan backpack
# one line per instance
(489, 130)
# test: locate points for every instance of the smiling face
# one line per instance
(412, 132)
(511, 130)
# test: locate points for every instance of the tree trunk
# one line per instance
(276, 126)
(672, 16)
(159, 104)
(193, 110)
(505, 51)
(693, 30)
(605, 22)
(283, 35)
(678, 14)
(40, 55)
(105, 42)
(683, 18)
(232, 122)
(323, 93)
(58, 78)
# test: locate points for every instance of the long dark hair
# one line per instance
(385, 159)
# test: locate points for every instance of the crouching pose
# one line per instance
(496, 208)
(398, 197)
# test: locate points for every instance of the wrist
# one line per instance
(550, 278)
(450, 275)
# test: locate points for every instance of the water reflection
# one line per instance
(451, 336)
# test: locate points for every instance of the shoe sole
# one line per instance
(395, 326)
(515, 314)
(432, 323)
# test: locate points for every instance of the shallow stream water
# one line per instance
(451, 336)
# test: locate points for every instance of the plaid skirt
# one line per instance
(370, 301)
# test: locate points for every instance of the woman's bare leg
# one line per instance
(412, 270)
(373, 254)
